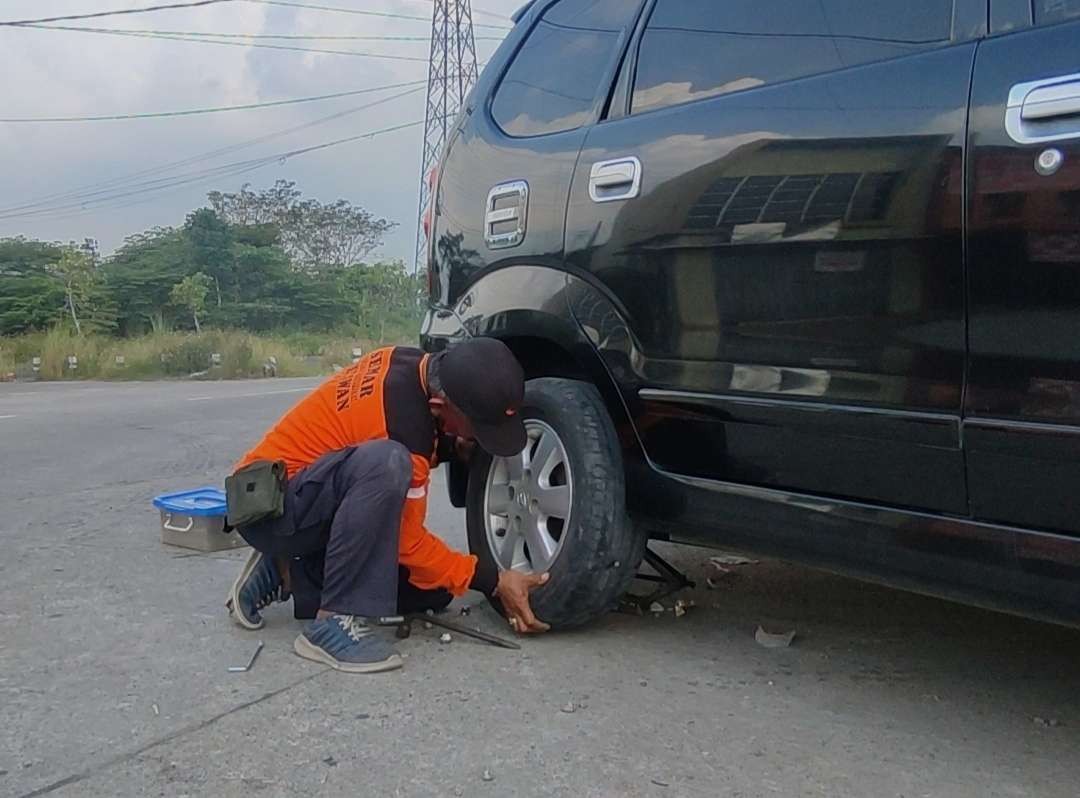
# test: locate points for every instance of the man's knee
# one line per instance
(387, 462)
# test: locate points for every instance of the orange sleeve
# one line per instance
(431, 563)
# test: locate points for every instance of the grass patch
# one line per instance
(178, 355)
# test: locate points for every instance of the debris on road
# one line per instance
(329, 761)
(657, 609)
(722, 560)
(445, 637)
(155, 708)
(659, 783)
(771, 640)
(682, 605)
(428, 625)
(465, 610)
(569, 707)
(251, 662)
(1051, 722)
(487, 775)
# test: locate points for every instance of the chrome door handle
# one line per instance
(617, 179)
(1044, 110)
(505, 214)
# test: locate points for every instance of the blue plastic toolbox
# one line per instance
(195, 519)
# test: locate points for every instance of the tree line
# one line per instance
(253, 260)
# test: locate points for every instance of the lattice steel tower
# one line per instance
(452, 72)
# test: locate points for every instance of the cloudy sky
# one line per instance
(54, 73)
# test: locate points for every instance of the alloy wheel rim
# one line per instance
(527, 502)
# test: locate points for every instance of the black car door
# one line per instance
(1022, 429)
(776, 203)
(507, 169)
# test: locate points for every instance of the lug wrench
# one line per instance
(404, 629)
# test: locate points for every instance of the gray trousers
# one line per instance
(340, 530)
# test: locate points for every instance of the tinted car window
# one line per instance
(1048, 12)
(555, 77)
(693, 49)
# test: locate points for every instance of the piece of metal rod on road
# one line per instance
(476, 633)
(246, 668)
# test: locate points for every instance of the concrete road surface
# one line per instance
(114, 649)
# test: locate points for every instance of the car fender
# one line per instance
(559, 325)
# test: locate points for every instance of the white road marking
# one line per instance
(3, 417)
(57, 392)
(245, 395)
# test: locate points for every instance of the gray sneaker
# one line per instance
(346, 643)
(256, 588)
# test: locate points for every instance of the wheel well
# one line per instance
(539, 357)
(542, 358)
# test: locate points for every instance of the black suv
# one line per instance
(797, 278)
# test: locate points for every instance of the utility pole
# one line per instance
(452, 71)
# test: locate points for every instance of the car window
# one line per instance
(1050, 12)
(692, 49)
(555, 78)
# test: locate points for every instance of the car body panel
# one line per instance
(1022, 425)
(793, 247)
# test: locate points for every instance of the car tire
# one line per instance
(592, 552)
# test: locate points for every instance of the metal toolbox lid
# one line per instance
(201, 501)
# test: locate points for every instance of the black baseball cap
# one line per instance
(484, 380)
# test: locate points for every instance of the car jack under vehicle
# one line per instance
(667, 578)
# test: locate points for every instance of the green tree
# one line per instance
(76, 271)
(141, 275)
(317, 237)
(256, 260)
(210, 240)
(190, 293)
(381, 295)
(31, 294)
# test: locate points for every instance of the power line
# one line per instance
(197, 111)
(286, 36)
(494, 14)
(476, 10)
(92, 189)
(388, 14)
(107, 31)
(226, 170)
(96, 14)
(126, 186)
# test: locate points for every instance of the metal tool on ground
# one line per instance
(667, 578)
(251, 662)
(404, 629)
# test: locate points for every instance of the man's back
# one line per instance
(383, 395)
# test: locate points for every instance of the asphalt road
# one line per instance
(114, 648)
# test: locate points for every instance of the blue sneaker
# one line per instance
(257, 586)
(346, 643)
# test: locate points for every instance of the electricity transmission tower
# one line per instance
(452, 72)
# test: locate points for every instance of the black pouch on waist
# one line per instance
(256, 492)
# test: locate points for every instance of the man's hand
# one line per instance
(513, 591)
(464, 448)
